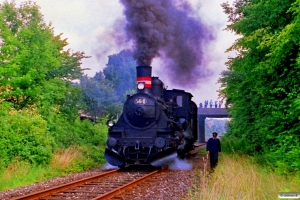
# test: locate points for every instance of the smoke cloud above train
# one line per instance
(169, 30)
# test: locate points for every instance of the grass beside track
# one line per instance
(235, 177)
(21, 173)
(240, 177)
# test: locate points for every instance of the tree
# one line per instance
(121, 71)
(105, 92)
(39, 103)
(261, 82)
(99, 96)
(34, 67)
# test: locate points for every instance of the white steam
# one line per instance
(179, 164)
(108, 166)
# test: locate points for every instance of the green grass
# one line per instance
(202, 151)
(240, 177)
(21, 173)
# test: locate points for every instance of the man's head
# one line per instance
(215, 134)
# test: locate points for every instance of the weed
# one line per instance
(63, 158)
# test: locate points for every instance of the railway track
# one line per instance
(113, 184)
(103, 186)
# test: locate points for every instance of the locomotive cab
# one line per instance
(183, 111)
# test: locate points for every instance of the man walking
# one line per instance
(213, 147)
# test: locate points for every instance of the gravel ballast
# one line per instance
(174, 183)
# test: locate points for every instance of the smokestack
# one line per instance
(143, 79)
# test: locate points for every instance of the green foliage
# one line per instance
(38, 102)
(100, 97)
(121, 72)
(31, 57)
(24, 135)
(26, 138)
(106, 91)
(20, 173)
(76, 133)
(232, 144)
(261, 83)
(61, 96)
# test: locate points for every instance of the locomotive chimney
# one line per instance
(144, 79)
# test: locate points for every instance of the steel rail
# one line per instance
(121, 189)
(64, 187)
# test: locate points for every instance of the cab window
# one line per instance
(179, 101)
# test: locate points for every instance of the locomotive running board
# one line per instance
(113, 158)
(163, 158)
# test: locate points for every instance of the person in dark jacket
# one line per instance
(213, 147)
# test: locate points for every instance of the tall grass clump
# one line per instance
(62, 159)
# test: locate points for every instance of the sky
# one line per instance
(88, 26)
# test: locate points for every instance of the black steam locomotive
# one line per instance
(156, 126)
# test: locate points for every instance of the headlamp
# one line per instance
(110, 123)
(141, 85)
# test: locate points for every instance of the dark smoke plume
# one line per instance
(161, 28)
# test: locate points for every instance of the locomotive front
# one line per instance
(142, 134)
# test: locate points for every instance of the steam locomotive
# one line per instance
(157, 125)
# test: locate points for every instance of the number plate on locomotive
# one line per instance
(140, 101)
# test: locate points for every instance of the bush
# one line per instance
(54, 142)
(76, 133)
(24, 135)
(231, 144)
(88, 137)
